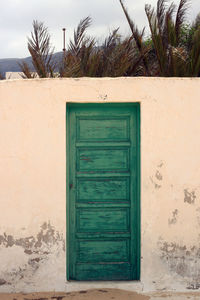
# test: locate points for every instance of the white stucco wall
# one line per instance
(33, 180)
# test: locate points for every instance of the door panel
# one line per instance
(103, 219)
(101, 128)
(103, 191)
(105, 251)
(92, 271)
(102, 159)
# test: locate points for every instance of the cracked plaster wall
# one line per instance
(32, 180)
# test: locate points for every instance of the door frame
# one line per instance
(138, 180)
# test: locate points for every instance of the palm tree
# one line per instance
(77, 61)
(41, 52)
(173, 48)
(170, 55)
(116, 57)
(166, 36)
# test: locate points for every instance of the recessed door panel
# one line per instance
(102, 159)
(103, 189)
(101, 128)
(102, 219)
(103, 251)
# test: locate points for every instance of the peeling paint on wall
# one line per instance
(173, 220)
(157, 177)
(47, 235)
(189, 197)
(103, 97)
(156, 185)
(182, 260)
(30, 253)
(198, 216)
(2, 281)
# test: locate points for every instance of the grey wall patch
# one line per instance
(189, 197)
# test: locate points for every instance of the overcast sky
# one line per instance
(16, 18)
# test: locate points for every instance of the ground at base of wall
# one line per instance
(100, 294)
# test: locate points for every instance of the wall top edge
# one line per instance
(138, 78)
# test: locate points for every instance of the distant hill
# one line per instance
(12, 64)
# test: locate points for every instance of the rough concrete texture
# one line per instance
(33, 181)
(100, 294)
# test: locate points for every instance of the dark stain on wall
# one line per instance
(189, 197)
(198, 215)
(173, 220)
(182, 260)
(193, 286)
(158, 177)
(156, 185)
(2, 281)
(103, 97)
(160, 164)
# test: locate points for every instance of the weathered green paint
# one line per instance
(103, 185)
(88, 220)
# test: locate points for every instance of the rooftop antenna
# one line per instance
(64, 49)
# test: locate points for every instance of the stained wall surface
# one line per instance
(33, 180)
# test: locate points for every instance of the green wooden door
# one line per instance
(103, 191)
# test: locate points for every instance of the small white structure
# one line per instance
(17, 75)
(14, 75)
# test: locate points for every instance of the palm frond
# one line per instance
(196, 22)
(195, 54)
(169, 33)
(40, 49)
(25, 69)
(108, 48)
(160, 14)
(156, 38)
(80, 35)
(111, 40)
(138, 36)
(180, 17)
